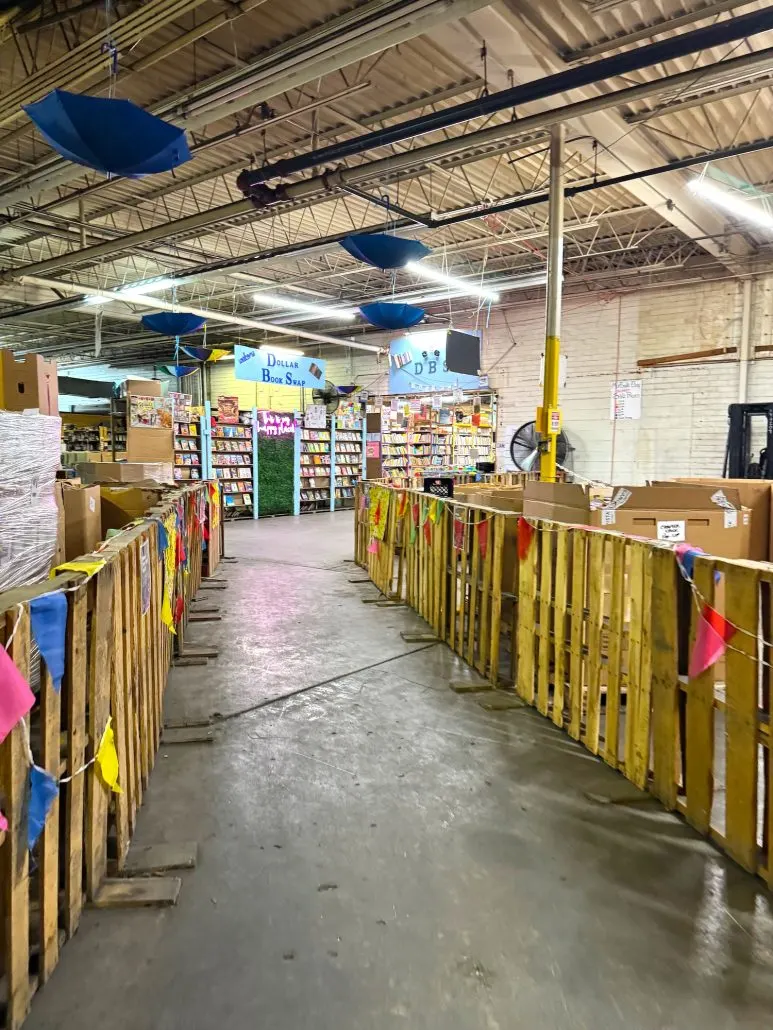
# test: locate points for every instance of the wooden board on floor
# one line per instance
(142, 892)
(159, 858)
(188, 735)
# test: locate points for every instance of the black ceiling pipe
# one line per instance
(682, 45)
(617, 180)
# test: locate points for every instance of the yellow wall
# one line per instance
(224, 383)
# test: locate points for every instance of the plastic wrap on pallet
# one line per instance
(30, 446)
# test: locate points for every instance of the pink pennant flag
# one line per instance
(373, 546)
(16, 698)
(3, 823)
(458, 534)
(483, 537)
(711, 640)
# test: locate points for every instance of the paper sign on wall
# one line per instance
(626, 399)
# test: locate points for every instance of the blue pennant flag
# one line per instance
(48, 615)
(163, 540)
(44, 790)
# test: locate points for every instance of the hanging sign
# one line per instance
(228, 410)
(278, 368)
(418, 364)
(315, 416)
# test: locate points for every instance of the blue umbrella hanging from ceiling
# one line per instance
(392, 316)
(178, 371)
(205, 353)
(384, 251)
(173, 323)
(111, 135)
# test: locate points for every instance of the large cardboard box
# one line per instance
(755, 495)
(711, 519)
(82, 520)
(152, 474)
(143, 387)
(149, 445)
(123, 504)
(28, 382)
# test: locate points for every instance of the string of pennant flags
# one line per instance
(48, 623)
(714, 631)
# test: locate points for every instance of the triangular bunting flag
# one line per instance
(373, 546)
(458, 534)
(402, 504)
(525, 533)
(3, 823)
(107, 758)
(414, 521)
(48, 618)
(711, 638)
(428, 532)
(44, 790)
(16, 698)
(483, 537)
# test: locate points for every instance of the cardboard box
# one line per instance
(123, 504)
(28, 382)
(755, 494)
(82, 520)
(143, 387)
(152, 474)
(149, 445)
(674, 513)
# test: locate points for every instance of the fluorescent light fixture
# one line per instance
(465, 287)
(733, 203)
(281, 352)
(271, 300)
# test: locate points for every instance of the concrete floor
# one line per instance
(379, 852)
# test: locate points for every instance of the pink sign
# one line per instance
(373, 449)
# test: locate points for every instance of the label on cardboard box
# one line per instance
(720, 498)
(607, 516)
(731, 518)
(92, 504)
(672, 532)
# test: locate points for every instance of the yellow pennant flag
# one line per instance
(89, 567)
(166, 614)
(107, 758)
(435, 509)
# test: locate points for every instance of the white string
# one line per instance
(78, 772)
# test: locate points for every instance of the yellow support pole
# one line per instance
(549, 414)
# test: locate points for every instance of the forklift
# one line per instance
(750, 426)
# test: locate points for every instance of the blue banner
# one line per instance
(417, 364)
(278, 369)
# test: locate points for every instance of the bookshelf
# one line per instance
(316, 469)
(232, 461)
(347, 466)
(189, 461)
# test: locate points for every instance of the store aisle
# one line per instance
(379, 852)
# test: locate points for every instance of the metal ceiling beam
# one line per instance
(344, 39)
(667, 24)
(154, 303)
(538, 87)
(699, 101)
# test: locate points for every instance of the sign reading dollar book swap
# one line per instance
(278, 369)
(417, 364)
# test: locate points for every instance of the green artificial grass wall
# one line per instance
(276, 458)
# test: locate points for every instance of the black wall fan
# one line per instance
(327, 395)
(524, 448)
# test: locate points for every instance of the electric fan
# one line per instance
(327, 395)
(524, 448)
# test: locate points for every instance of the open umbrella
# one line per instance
(110, 135)
(384, 251)
(391, 316)
(204, 353)
(173, 323)
(178, 371)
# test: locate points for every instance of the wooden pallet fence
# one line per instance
(118, 654)
(595, 630)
